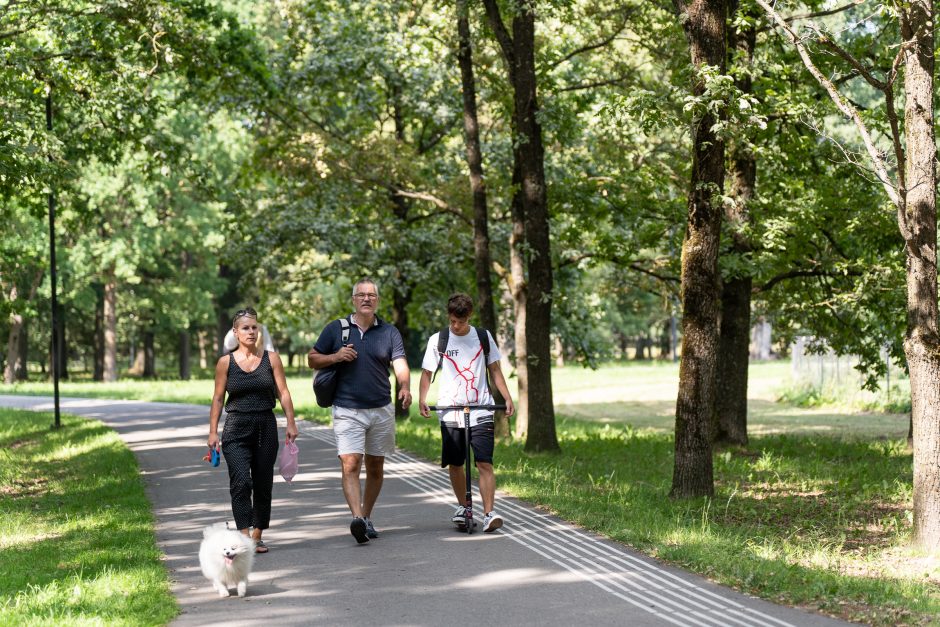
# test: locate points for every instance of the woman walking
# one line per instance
(253, 376)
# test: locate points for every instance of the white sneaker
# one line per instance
(460, 516)
(492, 522)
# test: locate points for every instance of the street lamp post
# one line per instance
(52, 276)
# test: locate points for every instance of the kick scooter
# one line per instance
(468, 498)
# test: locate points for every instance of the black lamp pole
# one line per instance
(52, 276)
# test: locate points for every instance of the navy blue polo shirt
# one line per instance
(363, 383)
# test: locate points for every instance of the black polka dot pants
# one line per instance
(249, 443)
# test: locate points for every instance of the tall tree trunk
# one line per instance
(226, 304)
(13, 343)
(99, 332)
(520, 292)
(184, 355)
(400, 300)
(109, 316)
(202, 342)
(922, 344)
(150, 365)
(559, 349)
(18, 340)
(137, 365)
(22, 368)
(704, 23)
(542, 435)
(517, 272)
(519, 54)
(481, 234)
(730, 421)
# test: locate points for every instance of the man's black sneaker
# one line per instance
(358, 528)
(370, 529)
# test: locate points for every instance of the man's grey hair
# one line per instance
(361, 282)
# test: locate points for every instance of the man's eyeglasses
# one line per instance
(362, 296)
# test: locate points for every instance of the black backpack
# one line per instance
(444, 337)
(324, 383)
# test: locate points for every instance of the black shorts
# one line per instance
(453, 451)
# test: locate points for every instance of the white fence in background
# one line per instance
(828, 369)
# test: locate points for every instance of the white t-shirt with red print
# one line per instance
(462, 379)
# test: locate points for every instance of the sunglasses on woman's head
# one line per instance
(247, 311)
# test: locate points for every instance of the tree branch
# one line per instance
(594, 46)
(441, 204)
(662, 277)
(503, 38)
(844, 54)
(843, 105)
(794, 274)
(612, 81)
(569, 261)
(815, 14)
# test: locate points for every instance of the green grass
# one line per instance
(807, 521)
(847, 397)
(78, 544)
(641, 394)
(815, 512)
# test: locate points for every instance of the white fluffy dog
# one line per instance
(226, 557)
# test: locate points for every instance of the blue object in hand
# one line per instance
(214, 457)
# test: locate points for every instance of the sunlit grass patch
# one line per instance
(822, 523)
(78, 542)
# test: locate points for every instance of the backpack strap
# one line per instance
(442, 340)
(484, 338)
(344, 323)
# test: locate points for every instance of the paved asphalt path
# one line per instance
(536, 570)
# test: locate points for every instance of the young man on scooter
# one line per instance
(465, 357)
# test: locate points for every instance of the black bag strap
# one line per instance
(344, 323)
(485, 343)
(442, 340)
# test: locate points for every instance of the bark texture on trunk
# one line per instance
(150, 365)
(704, 23)
(730, 421)
(184, 356)
(18, 339)
(137, 365)
(227, 303)
(99, 332)
(542, 435)
(922, 344)
(400, 301)
(537, 413)
(13, 343)
(109, 318)
(21, 372)
(481, 235)
(519, 297)
(14, 356)
(202, 341)
(733, 360)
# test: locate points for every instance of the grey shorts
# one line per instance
(370, 431)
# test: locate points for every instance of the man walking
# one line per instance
(363, 413)
(465, 361)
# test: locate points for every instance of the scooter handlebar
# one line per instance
(463, 407)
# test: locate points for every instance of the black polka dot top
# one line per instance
(250, 392)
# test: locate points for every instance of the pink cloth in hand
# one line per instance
(288, 461)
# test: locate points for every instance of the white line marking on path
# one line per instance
(625, 576)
